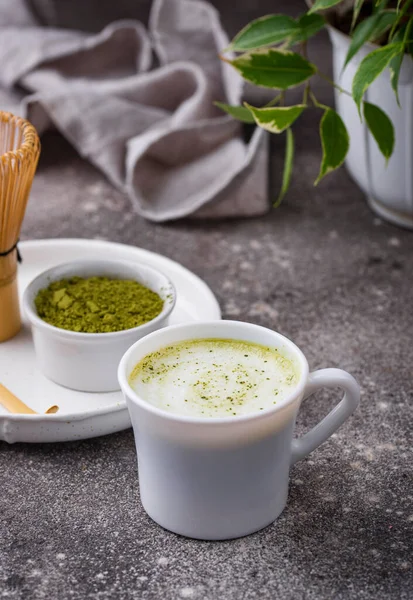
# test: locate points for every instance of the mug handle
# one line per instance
(321, 432)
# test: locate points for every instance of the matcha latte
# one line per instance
(214, 378)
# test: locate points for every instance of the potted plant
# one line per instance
(371, 129)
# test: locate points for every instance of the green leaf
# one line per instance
(264, 32)
(335, 142)
(369, 30)
(277, 119)
(380, 5)
(400, 16)
(370, 68)
(238, 112)
(356, 11)
(308, 25)
(381, 128)
(274, 68)
(323, 4)
(288, 166)
(395, 64)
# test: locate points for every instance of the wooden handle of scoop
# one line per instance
(15, 405)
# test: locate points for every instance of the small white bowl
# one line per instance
(88, 362)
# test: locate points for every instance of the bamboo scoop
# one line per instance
(17, 406)
(19, 153)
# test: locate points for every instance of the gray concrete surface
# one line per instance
(324, 271)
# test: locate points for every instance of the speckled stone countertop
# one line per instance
(322, 270)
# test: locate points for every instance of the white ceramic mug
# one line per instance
(222, 478)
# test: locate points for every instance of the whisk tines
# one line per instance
(19, 154)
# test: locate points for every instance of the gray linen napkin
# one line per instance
(154, 132)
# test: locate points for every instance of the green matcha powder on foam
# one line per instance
(97, 304)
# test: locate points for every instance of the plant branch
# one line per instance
(307, 91)
(273, 102)
(314, 100)
(332, 83)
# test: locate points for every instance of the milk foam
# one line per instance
(214, 378)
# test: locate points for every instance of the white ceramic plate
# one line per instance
(81, 415)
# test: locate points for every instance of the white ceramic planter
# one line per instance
(389, 189)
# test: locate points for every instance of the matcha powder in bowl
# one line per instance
(97, 304)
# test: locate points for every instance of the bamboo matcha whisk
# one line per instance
(19, 153)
